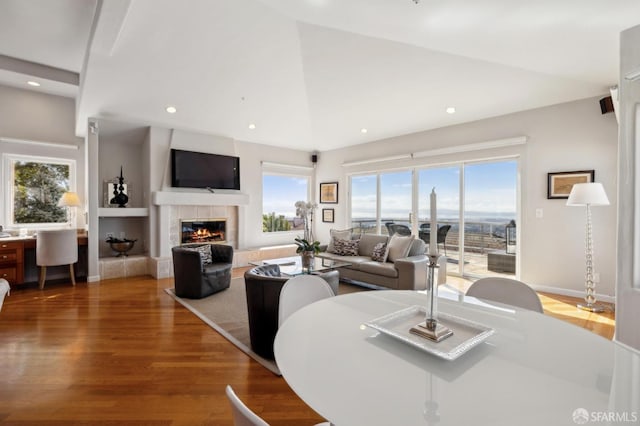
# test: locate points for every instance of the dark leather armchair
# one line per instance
(195, 280)
(263, 285)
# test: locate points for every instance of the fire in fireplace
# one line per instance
(203, 231)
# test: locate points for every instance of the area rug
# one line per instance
(226, 312)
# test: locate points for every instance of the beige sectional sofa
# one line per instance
(408, 272)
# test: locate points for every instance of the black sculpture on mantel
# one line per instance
(119, 197)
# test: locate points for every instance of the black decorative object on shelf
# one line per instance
(119, 197)
(121, 246)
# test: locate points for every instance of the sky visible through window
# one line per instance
(490, 192)
(280, 193)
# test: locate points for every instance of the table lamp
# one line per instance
(589, 194)
(68, 200)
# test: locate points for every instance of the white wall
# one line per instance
(158, 151)
(32, 116)
(628, 267)
(565, 137)
(250, 221)
(251, 156)
(163, 140)
(27, 114)
(115, 153)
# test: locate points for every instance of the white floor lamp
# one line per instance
(589, 194)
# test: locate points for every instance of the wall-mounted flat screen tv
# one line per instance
(191, 169)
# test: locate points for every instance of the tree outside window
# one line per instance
(279, 196)
(37, 187)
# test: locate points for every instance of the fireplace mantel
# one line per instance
(171, 198)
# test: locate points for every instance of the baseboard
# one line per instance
(93, 278)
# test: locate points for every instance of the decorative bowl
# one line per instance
(121, 246)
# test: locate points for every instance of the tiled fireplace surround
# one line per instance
(170, 218)
(180, 213)
(162, 267)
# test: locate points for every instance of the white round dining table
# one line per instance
(533, 370)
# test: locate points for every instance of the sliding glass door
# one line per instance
(489, 208)
(476, 211)
(364, 204)
(396, 191)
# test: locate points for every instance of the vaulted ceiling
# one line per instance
(310, 74)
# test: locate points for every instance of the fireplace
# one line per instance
(203, 231)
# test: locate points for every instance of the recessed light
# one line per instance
(363, 130)
(451, 110)
(33, 83)
(171, 109)
(252, 126)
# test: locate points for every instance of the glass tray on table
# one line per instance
(466, 333)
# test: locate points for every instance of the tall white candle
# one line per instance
(433, 232)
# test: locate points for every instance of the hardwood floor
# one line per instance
(563, 308)
(123, 352)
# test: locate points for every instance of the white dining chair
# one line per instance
(506, 290)
(56, 247)
(243, 416)
(4, 290)
(300, 291)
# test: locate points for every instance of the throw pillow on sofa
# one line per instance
(380, 252)
(398, 247)
(336, 234)
(345, 247)
(205, 253)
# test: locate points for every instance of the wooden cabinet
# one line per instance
(18, 261)
(12, 262)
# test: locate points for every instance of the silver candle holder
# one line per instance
(432, 329)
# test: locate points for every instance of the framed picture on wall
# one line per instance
(329, 193)
(327, 215)
(559, 184)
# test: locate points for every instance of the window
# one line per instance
(396, 197)
(477, 200)
(279, 195)
(35, 187)
(364, 203)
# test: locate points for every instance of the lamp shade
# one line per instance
(69, 199)
(592, 194)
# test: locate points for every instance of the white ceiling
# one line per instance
(311, 73)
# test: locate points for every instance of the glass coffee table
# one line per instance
(292, 266)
